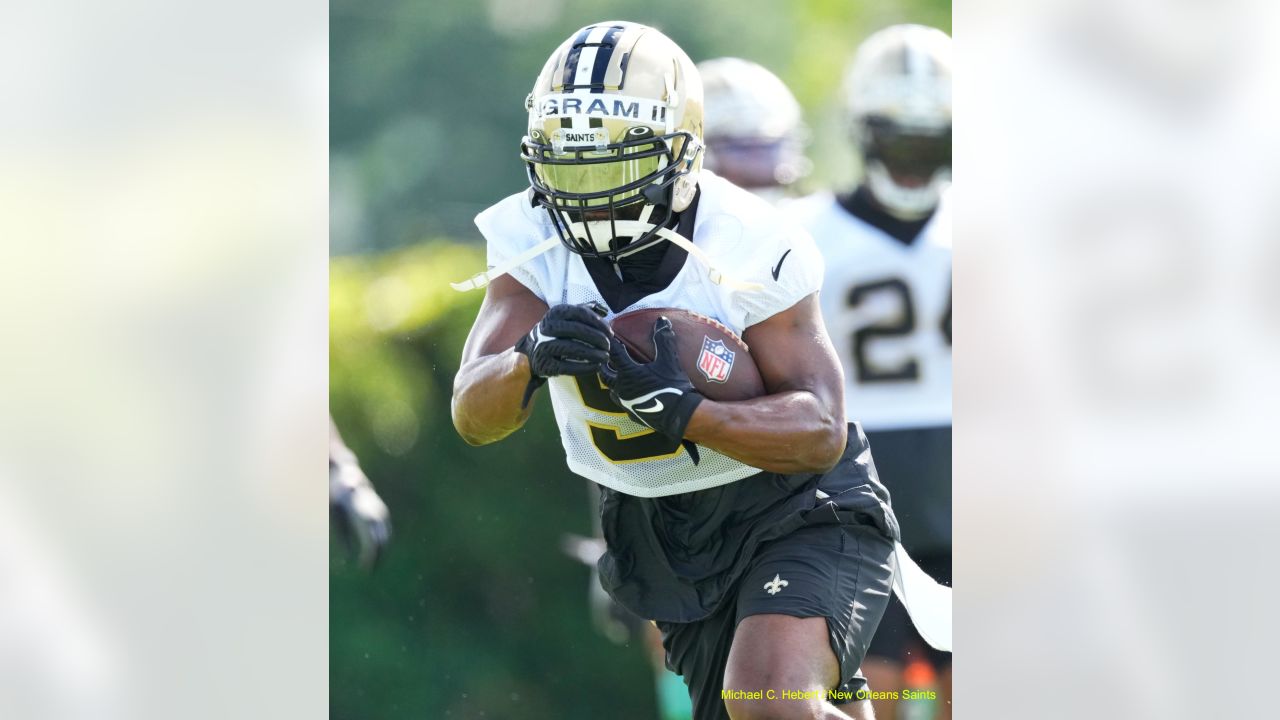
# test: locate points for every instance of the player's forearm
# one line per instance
(487, 392)
(791, 432)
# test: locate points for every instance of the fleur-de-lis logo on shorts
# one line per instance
(775, 585)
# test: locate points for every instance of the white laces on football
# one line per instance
(626, 228)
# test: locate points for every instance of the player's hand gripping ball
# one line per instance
(657, 394)
(714, 359)
(568, 340)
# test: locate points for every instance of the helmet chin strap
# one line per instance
(593, 232)
(905, 203)
(479, 280)
(604, 228)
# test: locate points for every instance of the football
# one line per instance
(715, 359)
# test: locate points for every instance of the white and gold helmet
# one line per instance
(898, 95)
(614, 142)
(754, 134)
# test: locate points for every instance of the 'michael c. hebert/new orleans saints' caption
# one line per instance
(832, 695)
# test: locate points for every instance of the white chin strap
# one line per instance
(903, 202)
(602, 230)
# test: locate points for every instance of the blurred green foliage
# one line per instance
(427, 98)
(474, 611)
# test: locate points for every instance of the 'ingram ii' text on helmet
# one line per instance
(614, 141)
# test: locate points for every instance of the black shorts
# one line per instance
(843, 573)
(897, 639)
(679, 558)
(915, 466)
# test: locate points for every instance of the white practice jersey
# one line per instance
(887, 306)
(746, 239)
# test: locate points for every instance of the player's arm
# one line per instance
(515, 344)
(799, 426)
(490, 384)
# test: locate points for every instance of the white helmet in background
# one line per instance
(898, 95)
(752, 126)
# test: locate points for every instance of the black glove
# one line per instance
(569, 340)
(360, 515)
(657, 394)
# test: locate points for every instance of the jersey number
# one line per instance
(609, 439)
(905, 324)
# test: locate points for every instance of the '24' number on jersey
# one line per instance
(903, 325)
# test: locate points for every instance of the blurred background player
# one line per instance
(752, 127)
(886, 299)
(360, 515)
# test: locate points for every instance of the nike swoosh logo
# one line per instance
(633, 405)
(656, 407)
(538, 337)
(783, 259)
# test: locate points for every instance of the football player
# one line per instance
(752, 127)
(886, 299)
(754, 139)
(755, 533)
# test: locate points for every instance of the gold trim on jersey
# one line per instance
(577, 385)
(617, 431)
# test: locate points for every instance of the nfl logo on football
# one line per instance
(716, 360)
